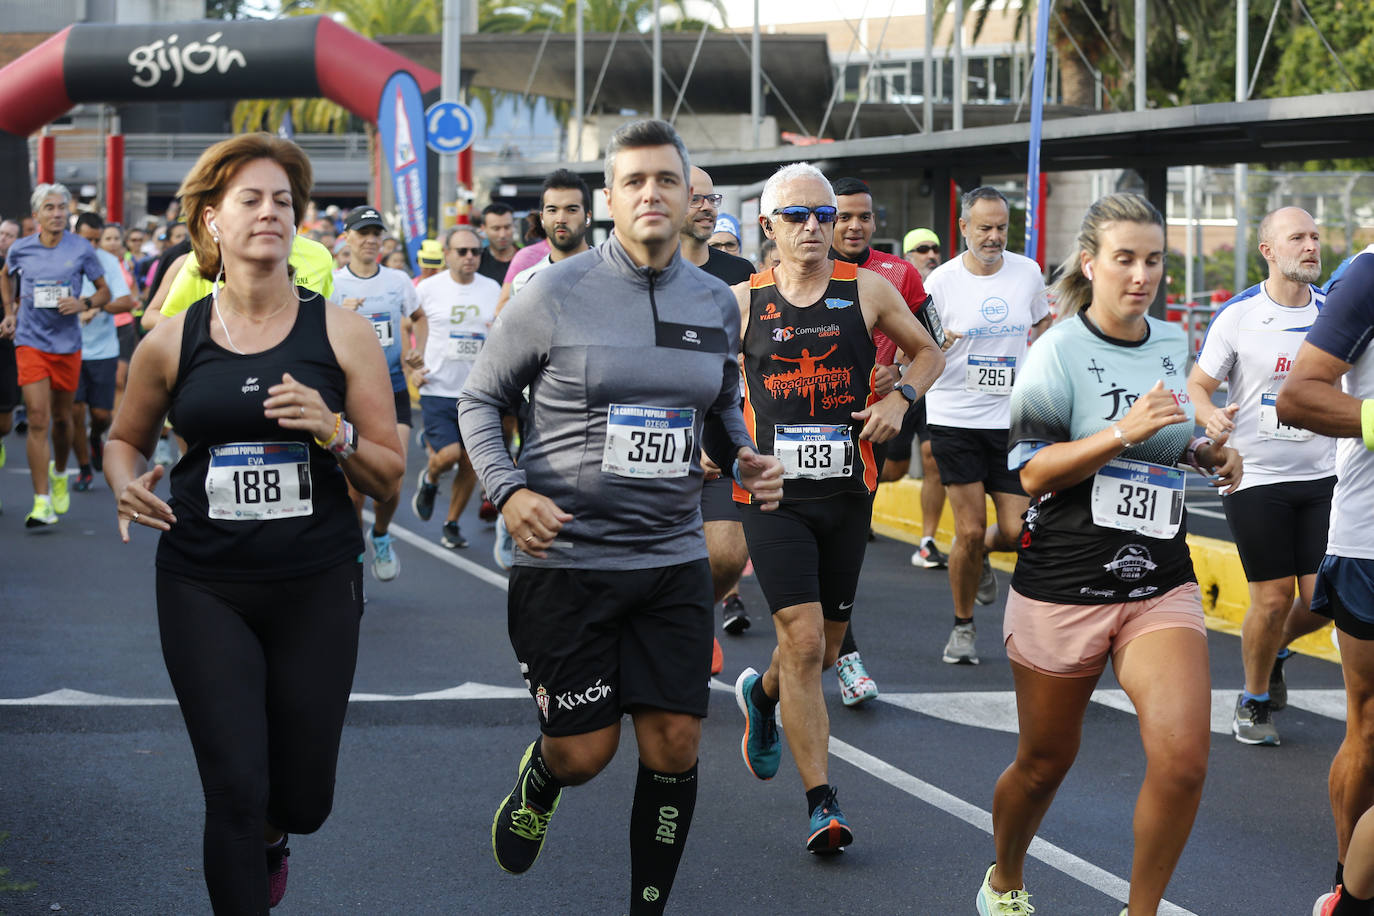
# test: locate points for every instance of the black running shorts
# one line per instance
(403, 416)
(810, 551)
(974, 456)
(10, 395)
(593, 643)
(1280, 528)
(718, 501)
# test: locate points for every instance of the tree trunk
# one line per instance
(1076, 80)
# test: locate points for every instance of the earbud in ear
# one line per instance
(214, 228)
(1088, 272)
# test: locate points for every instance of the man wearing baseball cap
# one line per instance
(922, 248)
(726, 235)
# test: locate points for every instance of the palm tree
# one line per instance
(1101, 30)
(369, 18)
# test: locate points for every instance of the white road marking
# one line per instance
(1059, 859)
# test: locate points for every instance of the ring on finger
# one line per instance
(302, 410)
(135, 517)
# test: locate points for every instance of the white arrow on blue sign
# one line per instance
(449, 127)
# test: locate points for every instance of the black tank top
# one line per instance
(254, 500)
(806, 369)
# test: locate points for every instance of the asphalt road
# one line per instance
(99, 794)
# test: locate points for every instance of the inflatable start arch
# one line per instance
(184, 61)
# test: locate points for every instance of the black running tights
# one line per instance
(262, 671)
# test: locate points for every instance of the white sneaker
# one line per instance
(1011, 903)
(855, 684)
(385, 564)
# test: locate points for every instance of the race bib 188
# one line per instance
(813, 450)
(1138, 496)
(256, 481)
(649, 442)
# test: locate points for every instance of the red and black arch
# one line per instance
(207, 59)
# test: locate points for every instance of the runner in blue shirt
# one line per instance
(386, 298)
(45, 323)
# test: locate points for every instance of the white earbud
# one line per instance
(214, 228)
(1088, 272)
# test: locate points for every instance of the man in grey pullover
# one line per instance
(629, 354)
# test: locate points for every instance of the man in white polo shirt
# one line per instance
(992, 304)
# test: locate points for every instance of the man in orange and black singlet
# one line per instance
(809, 361)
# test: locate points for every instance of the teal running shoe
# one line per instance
(829, 830)
(761, 746)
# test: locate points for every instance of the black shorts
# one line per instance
(1280, 528)
(128, 339)
(974, 456)
(403, 417)
(96, 385)
(10, 395)
(810, 551)
(718, 502)
(593, 643)
(913, 428)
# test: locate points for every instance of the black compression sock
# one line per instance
(1349, 905)
(763, 701)
(963, 621)
(659, 821)
(541, 786)
(815, 797)
(1340, 874)
(848, 645)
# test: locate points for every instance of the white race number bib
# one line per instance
(381, 324)
(464, 346)
(990, 374)
(649, 442)
(1138, 496)
(47, 293)
(256, 481)
(1271, 428)
(815, 451)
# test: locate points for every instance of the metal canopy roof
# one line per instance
(798, 64)
(1331, 126)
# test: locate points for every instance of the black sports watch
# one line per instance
(86, 301)
(908, 392)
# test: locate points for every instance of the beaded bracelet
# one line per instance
(325, 443)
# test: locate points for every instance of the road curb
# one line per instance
(1225, 595)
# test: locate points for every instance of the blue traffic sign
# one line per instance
(449, 127)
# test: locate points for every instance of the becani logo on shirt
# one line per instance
(995, 309)
(770, 311)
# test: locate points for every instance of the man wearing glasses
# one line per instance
(809, 358)
(720, 519)
(458, 306)
(921, 248)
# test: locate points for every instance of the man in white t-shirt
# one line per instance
(1279, 514)
(458, 305)
(992, 304)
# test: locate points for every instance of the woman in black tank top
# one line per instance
(283, 401)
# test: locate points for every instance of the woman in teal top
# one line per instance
(1100, 421)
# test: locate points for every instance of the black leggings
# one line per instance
(262, 671)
